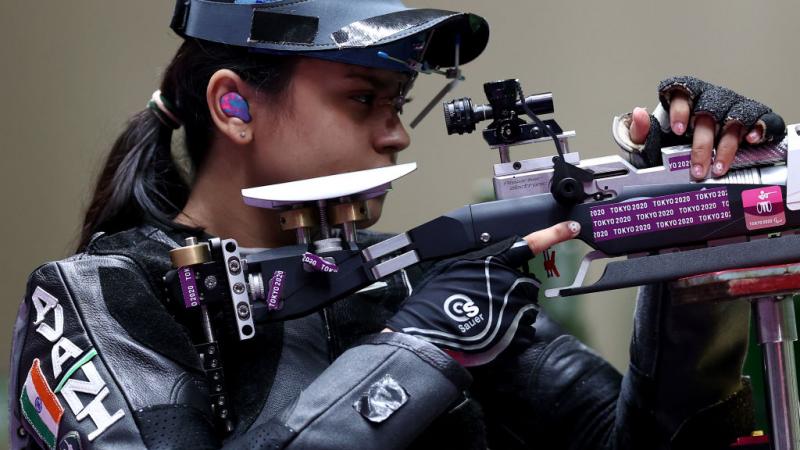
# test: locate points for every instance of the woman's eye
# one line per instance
(367, 99)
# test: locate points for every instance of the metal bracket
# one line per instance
(240, 301)
(387, 247)
(383, 248)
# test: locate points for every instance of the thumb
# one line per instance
(640, 125)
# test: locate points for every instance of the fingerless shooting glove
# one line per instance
(472, 306)
(725, 106)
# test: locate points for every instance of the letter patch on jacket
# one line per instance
(40, 403)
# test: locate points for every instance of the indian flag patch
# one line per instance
(40, 405)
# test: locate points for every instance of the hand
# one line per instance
(711, 114)
(473, 305)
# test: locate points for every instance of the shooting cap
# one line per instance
(353, 32)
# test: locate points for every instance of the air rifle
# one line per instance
(667, 226)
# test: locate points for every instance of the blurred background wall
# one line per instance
(73, 72)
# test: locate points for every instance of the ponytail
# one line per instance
(139, 182)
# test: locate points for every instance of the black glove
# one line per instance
(722, 104)
(472, 306)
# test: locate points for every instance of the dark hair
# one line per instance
(140, 181)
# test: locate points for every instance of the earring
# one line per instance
(242, 134)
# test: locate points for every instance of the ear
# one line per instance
(224, 82)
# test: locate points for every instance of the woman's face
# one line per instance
(334, 118)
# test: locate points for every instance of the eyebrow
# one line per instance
(376, 82)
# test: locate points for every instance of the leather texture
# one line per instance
(155, 394)
(135, 376)
(549, 392)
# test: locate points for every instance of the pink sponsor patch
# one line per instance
(319, 264)
(188, 287)
(682, 162)
(763, 207)
(275, 293)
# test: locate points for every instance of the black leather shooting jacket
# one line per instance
(98, 361)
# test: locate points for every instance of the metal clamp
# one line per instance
(238, 288)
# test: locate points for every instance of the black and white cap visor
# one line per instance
(305, 27)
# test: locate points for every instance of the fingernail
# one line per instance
(574, 227)
(719, 168)
(697, 171)
(678, 127)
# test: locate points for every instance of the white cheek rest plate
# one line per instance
(364, 183)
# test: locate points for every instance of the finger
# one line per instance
(679, 112)
(755, 116)
(754, 136)
(640, 125)
(702, 143)
(726, 149)
(541, 240)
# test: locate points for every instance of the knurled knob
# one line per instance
(190, 254)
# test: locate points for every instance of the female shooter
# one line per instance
(268, 92)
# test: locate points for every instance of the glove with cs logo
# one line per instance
(473, 305)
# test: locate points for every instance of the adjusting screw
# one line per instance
(234, 266)
(243, 310)
(238, 288)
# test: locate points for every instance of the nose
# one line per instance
(390, 134)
